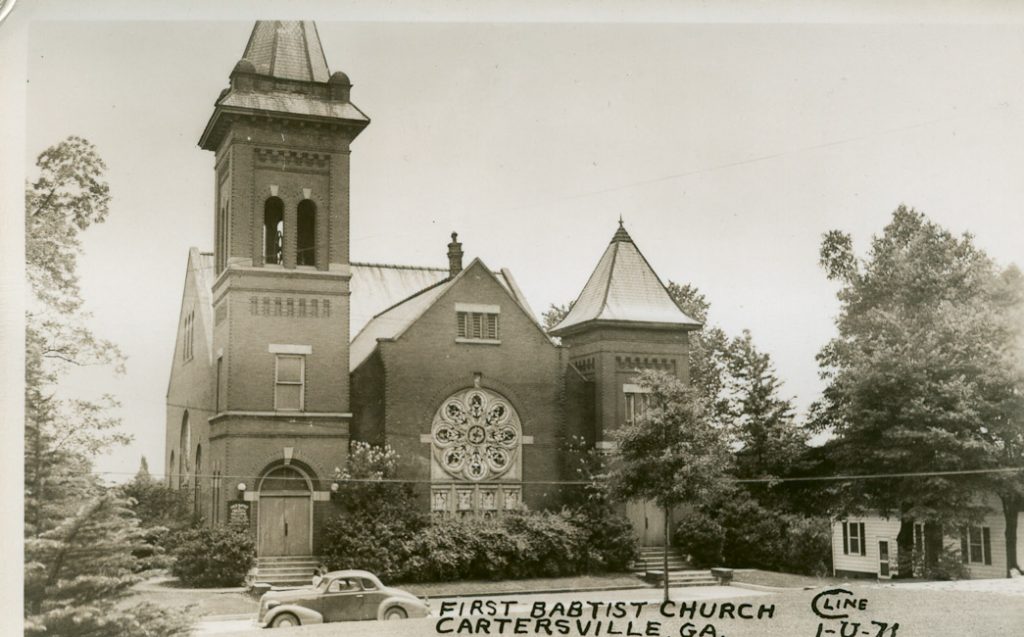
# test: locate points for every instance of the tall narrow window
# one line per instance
(196, 485)
(184, 446)
(220, 380)
(853, 538)
(273, 230)
(305, 233)
(290, 377)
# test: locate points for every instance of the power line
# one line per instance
(838, 478)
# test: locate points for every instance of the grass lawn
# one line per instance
(168, 594)
(783, 580)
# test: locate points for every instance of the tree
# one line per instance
(555, 314)
(78, 574)
(79, 535)
(61, 434)
(924, 375)
(709, 354)
(672, 454)
(739, 384)
(763, 423)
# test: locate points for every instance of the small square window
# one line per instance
(476, 326)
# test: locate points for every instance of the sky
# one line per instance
(728, 149)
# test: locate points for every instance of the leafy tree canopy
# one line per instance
(925, 373)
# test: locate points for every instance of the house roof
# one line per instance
(289, 50)
(395, 318)
(624, 289)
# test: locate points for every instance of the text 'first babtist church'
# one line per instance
(287, 351)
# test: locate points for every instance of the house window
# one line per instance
(636, 400)
(305, 233)
(976, 545)
(273, 230)
(476, 323)
(853, 539)
(289, 382)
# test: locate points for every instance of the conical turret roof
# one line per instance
(289, 50)
(624, 290)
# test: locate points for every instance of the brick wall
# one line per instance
(426, 365)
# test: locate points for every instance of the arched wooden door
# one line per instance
(285, 514)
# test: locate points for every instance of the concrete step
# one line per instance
(286, 570)
(682, 578)
(288, 560)
(672, 559)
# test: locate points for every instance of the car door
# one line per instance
(342, 601)
(372, 597)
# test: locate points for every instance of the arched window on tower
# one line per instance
(273, 230)
(306, 233)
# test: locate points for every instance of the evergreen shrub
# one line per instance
(218, 556)
(740, 532)
(702, 538)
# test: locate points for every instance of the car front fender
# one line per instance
(305, 615)
(413, 607)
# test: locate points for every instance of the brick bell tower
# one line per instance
(281, 135)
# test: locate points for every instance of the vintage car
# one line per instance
(339, 596)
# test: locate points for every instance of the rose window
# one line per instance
(476, 435)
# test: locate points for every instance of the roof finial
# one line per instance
(621, 234)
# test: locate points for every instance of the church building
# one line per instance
(287, 351)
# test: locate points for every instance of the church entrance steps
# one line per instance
(650, 564)
(652, 558)
(286, 571)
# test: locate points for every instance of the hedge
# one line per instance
(539, 544)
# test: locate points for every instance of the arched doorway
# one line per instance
(285, 524)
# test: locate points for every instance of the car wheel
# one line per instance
(284, 620)
(395, 612)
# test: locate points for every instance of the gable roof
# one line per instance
(198, 294)
(624, 289)
(376, 287)
(394, 320)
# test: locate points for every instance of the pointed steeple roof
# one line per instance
(624, 290)
(283, 73)
(288, 50)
